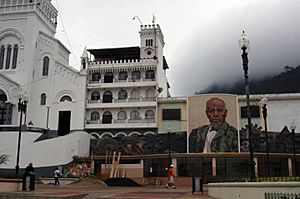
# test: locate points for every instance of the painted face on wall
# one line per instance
(216, 112)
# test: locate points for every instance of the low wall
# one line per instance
(10, 185)
(250, 190)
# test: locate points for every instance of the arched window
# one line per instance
(95, 116)
(135, 115)
(123, 75)
(107, 97)
(2, 52)
(96, 77)
(149, 93)
(136, 75)
(107, 117)
(43, 99)
(135, 94)
(8, 56)
(122, 115)
(15, 56)
(149, 114)
(108, 77)
(122, 95)
(95, 95)
(45, 66)
(150, 74)
(66, 98)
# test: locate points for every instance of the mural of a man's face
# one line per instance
(216, 112)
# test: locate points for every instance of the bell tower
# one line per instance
(152, 41)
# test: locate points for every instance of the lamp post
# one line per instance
(293, 127)
(264, 102)
(169, 146)
(244, 46)
(22, 106)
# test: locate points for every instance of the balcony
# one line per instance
(116, 103)
(118, 124)
(116, 83)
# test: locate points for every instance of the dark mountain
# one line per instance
(286, 82)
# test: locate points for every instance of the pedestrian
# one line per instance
(29, 172)
(56, 177)
(171, 177)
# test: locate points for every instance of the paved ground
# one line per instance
(96, 191)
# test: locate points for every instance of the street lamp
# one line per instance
(169, 145)
(293, 127)
(264, 102)
(22, 106)
(244, 46)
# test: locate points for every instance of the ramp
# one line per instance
(123, 182)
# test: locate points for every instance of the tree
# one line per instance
(3, 159)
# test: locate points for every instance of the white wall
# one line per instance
(50, 152)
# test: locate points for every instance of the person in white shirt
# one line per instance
(56, 177)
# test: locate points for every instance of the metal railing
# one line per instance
(282, 195)
(146, 99)
(100, 81)
(126, 121)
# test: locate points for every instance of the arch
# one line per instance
(107, 134)
(150, 74)
(121, 134)
(45, 69)
(96, 135)
(150, 93)
(3, 97)
(149, 114)
(96, 76)
(123, 75)
(122, 115)
(95, 116)
(107, 117)
(136, 75)
(43, 99)
(65, 98)
(149, 133)
(135, 115)
(122, 95)
(135, 94)
(133, 133)
(95, 95)
(63, 93)
(108, 77)
(107, 97)
(13, 32)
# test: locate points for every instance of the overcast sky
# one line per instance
(201, 36)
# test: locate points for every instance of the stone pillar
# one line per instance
(290, 167)
(256, 167)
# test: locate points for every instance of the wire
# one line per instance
(65, 32)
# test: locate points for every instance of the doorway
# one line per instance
(64, 120)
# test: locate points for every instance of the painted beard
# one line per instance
(216, 123)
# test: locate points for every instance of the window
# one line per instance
(135, 115)
(149, 93)
(149, 42)
(45, 66)
(15, 56)
(150, 74)
(43, 99)
(2, 52)
(107, 97)
(108, 77)
(171, 114)
(96, 77)
(136, 75)
(95, 116)
(122, 115)
(122, 94)
(8, 55)
(107, 117)
(66, 98)
(135, 94)
(254, 110)
(149, 114)
(95, 95)
(123, 75)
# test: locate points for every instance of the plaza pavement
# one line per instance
(89, 191)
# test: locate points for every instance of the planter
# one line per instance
(10, 185)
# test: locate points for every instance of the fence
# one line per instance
(282, 195)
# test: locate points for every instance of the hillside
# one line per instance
(286, 82)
